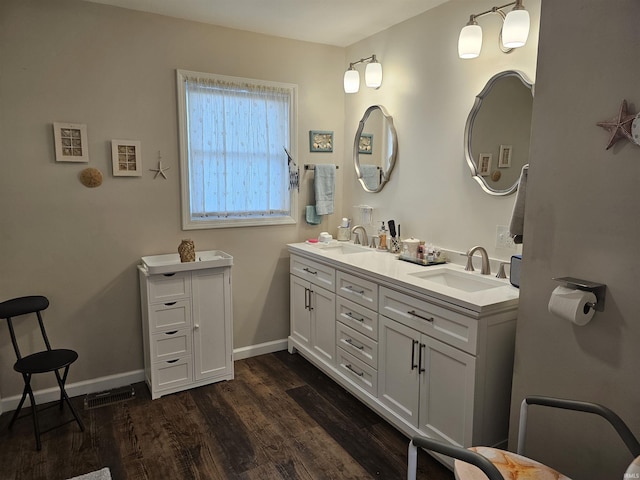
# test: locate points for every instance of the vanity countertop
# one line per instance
(449, 282)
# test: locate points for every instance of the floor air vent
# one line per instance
(108, 397)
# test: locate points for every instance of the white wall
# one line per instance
(582, 221)
(429, 91)
(114, 70)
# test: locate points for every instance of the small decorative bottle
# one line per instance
(383, 237)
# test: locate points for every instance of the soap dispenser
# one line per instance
(382, 233)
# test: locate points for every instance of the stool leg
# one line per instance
(17, 412)
(34, 409)
(63, 395)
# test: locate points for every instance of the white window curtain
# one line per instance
(236, 133)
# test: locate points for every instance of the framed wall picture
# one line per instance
(484, 164)
(71, 142)
(320, 141)
(504, 159)
(365, 144)
(126, 157)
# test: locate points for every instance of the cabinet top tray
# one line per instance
(170, 263)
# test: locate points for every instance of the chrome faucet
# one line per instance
(364, 240)
(486, 268)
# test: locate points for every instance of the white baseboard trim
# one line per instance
(74, 389)
(260, 349)
(118, 380)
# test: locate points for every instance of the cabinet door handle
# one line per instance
(352, 290)
(415, 314)
(413, 354)
(171, 333)
(170, 304)
(349, 367)
(350, 315)
(306, 298)
(310, 298)
(310, 271)
(350, 342)
(420, 369)
(196, 326)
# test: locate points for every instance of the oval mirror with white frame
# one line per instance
(498, 132)
(375, 148)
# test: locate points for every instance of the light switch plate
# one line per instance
(503, 239)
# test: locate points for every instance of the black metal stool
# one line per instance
(49, 360)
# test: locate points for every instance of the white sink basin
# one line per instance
(170, 263)
(463, 281)
(345, 248)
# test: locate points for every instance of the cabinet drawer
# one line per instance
(357, 289)
(314, 272)
(359, 345)
(169, 287)
(357, 317)
(170, 315)
(171, 344)
(437, 322)
(172, 373)
(358, 371)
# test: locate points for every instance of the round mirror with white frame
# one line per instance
(375, 148)
(498, 132)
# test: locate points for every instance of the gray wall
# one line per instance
(582, 217)
(114, 70)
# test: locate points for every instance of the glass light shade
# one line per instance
(470, 41)
(373, 75)
(515, 29)
(351, 81)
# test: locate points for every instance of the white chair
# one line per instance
(498, 464)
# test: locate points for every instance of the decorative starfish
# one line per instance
(160, 170)
(619, 127)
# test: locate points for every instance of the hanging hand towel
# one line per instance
(325, 180)
(516, 228)
(370, 175)
(312, 217)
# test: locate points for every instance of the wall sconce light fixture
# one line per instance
(372, 75)
(513, 34)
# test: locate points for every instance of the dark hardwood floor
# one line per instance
(280, 418)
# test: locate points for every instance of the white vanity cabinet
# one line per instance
(187, 328)
(313, 302)
(429, 363)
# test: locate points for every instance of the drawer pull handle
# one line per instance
(349, 367)
(173, 361)
(168, 274)
(350, 342)
(350, 315)
(415, 314)
(413, 354)
(352, 290)
(171, 333)
(310, 271)
(170, 304)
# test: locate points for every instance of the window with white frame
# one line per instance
(233, 135)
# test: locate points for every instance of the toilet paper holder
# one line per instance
(598, 290)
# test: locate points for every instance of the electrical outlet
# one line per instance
(503, 239)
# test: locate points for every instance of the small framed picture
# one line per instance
(320, 141)
(484, 164)
(126, 157)
(71, 142)
(504, 160)
(365, 145)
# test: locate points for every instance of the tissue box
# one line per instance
(514, 274)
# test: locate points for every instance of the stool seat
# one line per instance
(511, 466)
(46, 361)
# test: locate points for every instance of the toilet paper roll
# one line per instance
(570, 304)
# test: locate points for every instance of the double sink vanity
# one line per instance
(429, 348)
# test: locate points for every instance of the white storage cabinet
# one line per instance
(187, 328)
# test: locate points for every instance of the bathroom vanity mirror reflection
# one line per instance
(498, 131)
(375, 148)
